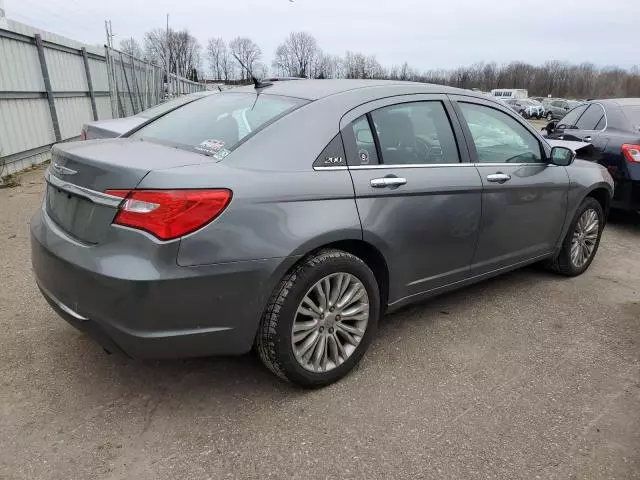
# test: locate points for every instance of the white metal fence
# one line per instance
(50, 86)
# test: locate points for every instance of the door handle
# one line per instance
(498, 177)
(388, 182)
(587, 138)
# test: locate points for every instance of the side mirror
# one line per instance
(562, 156)
(364, 136)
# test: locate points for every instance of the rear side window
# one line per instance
(571, 119)
(365, 143)
(415, 134)
(591, 117)
(216, 125)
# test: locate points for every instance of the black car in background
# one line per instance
(613, 129)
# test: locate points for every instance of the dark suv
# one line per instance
(557, 108)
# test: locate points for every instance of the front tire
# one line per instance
(320, 319)
(582, 240)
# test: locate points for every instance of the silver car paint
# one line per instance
(204, 293)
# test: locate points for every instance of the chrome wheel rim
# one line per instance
(330, 322)
(585, 237)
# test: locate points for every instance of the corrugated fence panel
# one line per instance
(66, 71)
(103, 104)
(19, 67)
(98, 69)
(24, 124)
(72, 114)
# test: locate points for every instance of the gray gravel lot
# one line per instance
(522, 377)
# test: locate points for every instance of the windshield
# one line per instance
(216, 124)
(170, 105)
(632, 112)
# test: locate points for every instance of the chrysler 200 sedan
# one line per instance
(290, 217)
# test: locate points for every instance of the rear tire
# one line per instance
(275, 342)
(573, 258)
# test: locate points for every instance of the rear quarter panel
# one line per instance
(273, 214)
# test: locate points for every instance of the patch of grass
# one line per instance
(10, 181)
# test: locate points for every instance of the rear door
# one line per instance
(524, 198)
(417, 195)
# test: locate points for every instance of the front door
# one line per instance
(524, 198)
(417, 195)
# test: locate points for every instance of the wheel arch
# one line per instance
(362, 249)
(603, 195)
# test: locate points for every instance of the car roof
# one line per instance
(621, 102)
(317, 89)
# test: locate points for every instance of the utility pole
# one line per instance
(109, 30)
(167, 55)
(3, 18)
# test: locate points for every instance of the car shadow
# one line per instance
(242, 376)
(628, 221)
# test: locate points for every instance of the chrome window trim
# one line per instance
(336, 167)
(432, 165)
(92, 195)
(409, 165)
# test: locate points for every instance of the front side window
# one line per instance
(215, 125)
(415, 133)
(591, 117)
(498, 138)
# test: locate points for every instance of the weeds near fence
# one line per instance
(8, 180)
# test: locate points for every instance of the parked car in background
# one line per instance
(613, 128)
(117, 126)
(510, 93)
(557, 108)
(196, 236)
(527, 108)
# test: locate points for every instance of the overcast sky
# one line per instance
(427, 34)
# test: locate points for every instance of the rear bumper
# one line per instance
(149, 307)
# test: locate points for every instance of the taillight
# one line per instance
(169, 214)
(631, 152)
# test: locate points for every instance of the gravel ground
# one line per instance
(523, 377)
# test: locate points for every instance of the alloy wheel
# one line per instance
(585, 237)
(330, 322)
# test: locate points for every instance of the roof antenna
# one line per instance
(256, 83)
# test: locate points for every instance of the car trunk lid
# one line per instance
(81, 172)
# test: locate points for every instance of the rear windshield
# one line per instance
(215, 125)
(632, 112)
(169, 105)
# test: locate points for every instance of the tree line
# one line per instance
(299, 55)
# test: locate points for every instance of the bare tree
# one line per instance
(248, 53)
(180, 51)
(297, 55)
(216, 51)
(132, 47)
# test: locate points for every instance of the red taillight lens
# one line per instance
(169, 214)
(631, 152)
